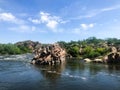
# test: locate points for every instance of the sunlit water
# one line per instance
(16, 73)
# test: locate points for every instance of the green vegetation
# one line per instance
(13, 49)
(74, 51)
(90, 48)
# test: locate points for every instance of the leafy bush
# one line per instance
(74, 51)
(12, 49)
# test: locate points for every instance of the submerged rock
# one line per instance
(50, 54)
(97, 60)
(87, 60)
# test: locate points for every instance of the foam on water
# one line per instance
(69, 75)
(22, 57)
(85, 78)
(75, 76)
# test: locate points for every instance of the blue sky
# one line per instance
(48, 21)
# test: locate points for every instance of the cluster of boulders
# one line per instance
(113, 56)
(50, 54)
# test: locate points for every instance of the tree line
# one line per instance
(88, 48)
(13, 49)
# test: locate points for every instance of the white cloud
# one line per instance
(87, 26)
(82, 29)
(52, 24)
(84, 26)
(95, 12)
(49, 20)
(91, 25)
(35, 21)
(110, 8)
(19, 24)
(9, 17)
(45, 17)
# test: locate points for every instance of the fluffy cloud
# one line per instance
(9, 17)
(49, 20)
(45, 17)
(52, 24)
(20, 25)
(87, 26)
(82, 29)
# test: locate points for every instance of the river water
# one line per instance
(16, 73)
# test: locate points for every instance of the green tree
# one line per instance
(74, 51)
(101, 50)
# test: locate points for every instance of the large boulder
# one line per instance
(113, 49)
(50, 54)
(113, 56)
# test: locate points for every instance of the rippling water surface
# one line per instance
(16, 73)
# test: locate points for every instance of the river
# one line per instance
(16, 73)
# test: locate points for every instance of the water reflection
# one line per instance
(113, 67)
(75, 65)
(95, 68)
(51, 72)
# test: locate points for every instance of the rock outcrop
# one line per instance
(113, 57)
(50, 54)
(29, 44)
